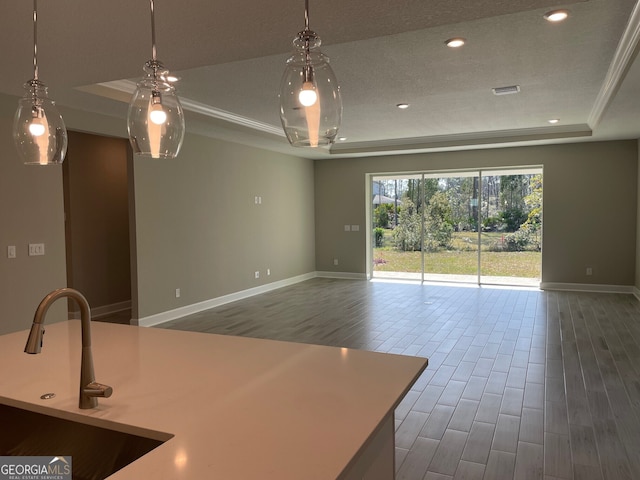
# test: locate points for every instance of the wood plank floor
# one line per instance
(521, 383)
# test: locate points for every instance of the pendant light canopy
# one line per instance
(310, 102)
(39, 132)
(156, 119)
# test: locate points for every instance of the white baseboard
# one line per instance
(104, 310)
(158, 318)
(587, 287)
(636, 292)
(343, 275)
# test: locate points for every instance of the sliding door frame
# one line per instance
(481, 173)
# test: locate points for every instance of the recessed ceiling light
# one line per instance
(553, 121)
(556, 15)
(402, 106)
(455, 42)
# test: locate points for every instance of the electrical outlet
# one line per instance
(177, 293)
(268, 272)
(335, 261)
(11, 251)
(257, 274)
(347, 228)
(589, 271)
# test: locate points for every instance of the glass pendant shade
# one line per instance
(39, 132)
(155, 119)
(310, 102)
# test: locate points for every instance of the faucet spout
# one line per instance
(89, 388)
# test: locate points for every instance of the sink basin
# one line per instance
(96, 452)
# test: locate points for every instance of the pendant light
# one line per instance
(39, 132)
(155, 120)
(310, 102)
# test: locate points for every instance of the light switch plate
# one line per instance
(36, 249)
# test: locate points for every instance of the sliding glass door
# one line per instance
(475, 226)
(397, 226)
(450, 225)
(511, 238)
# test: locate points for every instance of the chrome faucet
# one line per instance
(89, 388)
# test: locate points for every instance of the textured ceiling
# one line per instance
(230, 56)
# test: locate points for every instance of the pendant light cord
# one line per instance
(307, 54)
(153, 33)
(35, 39)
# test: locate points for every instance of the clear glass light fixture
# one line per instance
(155, 120)
(310, 102)
(39, 132)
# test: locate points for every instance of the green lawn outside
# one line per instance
(462, 260)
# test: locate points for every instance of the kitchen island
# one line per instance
(225, 407)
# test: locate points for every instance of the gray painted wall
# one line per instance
(590, 205)
(197, 226)
(200, 230)
(31, 211)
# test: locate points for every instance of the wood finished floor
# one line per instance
(521, 384)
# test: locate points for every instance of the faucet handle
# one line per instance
(95, 389)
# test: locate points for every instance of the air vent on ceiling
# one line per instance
(506, 90)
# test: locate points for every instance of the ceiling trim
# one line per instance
(230, 117)
(623, 58)
(465, 139)
(129, 87)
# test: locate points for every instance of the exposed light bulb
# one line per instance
(36, 127)
(157, 115)
(308, 95)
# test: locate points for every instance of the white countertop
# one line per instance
(238, 408)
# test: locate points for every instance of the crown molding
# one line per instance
(622, 60)
(465, 139)
(127, 86)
